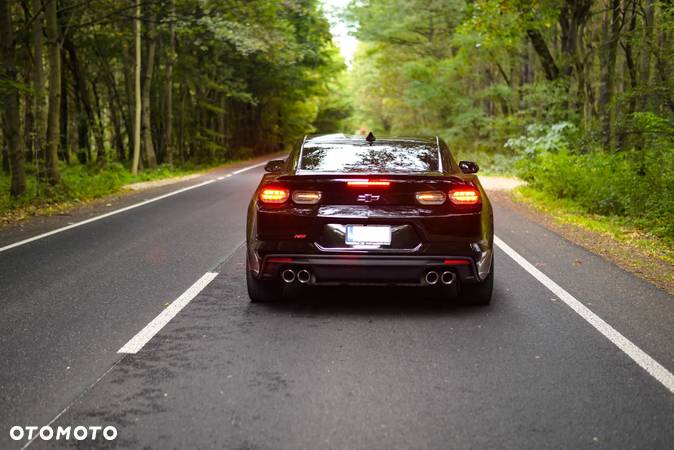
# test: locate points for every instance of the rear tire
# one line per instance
(262, 291)
(479, 294)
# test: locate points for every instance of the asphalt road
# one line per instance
(338, 368)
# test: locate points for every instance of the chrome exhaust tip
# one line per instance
(432, 277)
(288, 275)
(303, 276)
(448, 277)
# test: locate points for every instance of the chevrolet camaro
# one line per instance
(348, 210)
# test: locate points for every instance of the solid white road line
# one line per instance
(139, 340)
(103, 216)
(236, 172)
(127, 208)
(657, 371)
(73, 401)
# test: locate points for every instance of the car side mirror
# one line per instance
(468, 167)
(274, 165)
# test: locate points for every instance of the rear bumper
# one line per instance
(368, 269)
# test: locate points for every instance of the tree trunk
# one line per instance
(148, 144)
(168, 102)
(10, 103)
(631, 69)
(5, 157)
(181, 123)
(63, 117)
(645, 62)
(38, 79)
(115, 112)
(28, 118)
(82, 89)
(54, 92)
(609, 50)
(547, 61)
(137, 118)
(101, 157)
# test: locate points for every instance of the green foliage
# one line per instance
(542, 138)
(633, 184)
(81, 183)
(480, 73)
(231, 79)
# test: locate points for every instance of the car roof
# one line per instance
(356, 139)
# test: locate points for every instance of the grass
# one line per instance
(79, 184)
(622, 228)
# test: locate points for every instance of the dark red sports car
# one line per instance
(352, 210)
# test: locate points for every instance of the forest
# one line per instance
(95, 91)
(576, 97)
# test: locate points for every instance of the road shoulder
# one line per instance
(15, 231)
(624, 254)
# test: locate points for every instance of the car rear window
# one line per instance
(379, 158)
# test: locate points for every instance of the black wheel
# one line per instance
(479, 293)
(262, 291)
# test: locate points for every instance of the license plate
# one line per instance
(368, 235)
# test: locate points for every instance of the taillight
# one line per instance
(307, 197)
(274, 194)
(368, 183)
(464, 196)
(431, 197)
(456, 262)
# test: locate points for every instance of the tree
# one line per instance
(137, 102)
(38, 78)
(168, 90)
(54, 91)
(146, 115)
(211, 81)
(10, 96)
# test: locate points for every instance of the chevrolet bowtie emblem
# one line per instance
(367, 198)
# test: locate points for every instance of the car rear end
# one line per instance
(344, 211)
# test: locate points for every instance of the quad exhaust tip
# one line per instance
(288, 276)
(432, 277)
(448, 277)
(303, 276)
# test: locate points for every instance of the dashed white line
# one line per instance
(126, 208)
(645, 361)
(143, 336)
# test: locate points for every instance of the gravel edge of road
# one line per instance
(628, 257)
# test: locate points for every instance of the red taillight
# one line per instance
(456, 262)
(274, 194)
(279, 260)
(464, 196)
(368, 183)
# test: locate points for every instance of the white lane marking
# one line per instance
(657, 371)
(103, 216)
(143, 337)
(236, 172)
(121, 210)
(75, 400)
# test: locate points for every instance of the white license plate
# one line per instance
(368, 235)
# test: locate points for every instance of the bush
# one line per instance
(636, 184)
